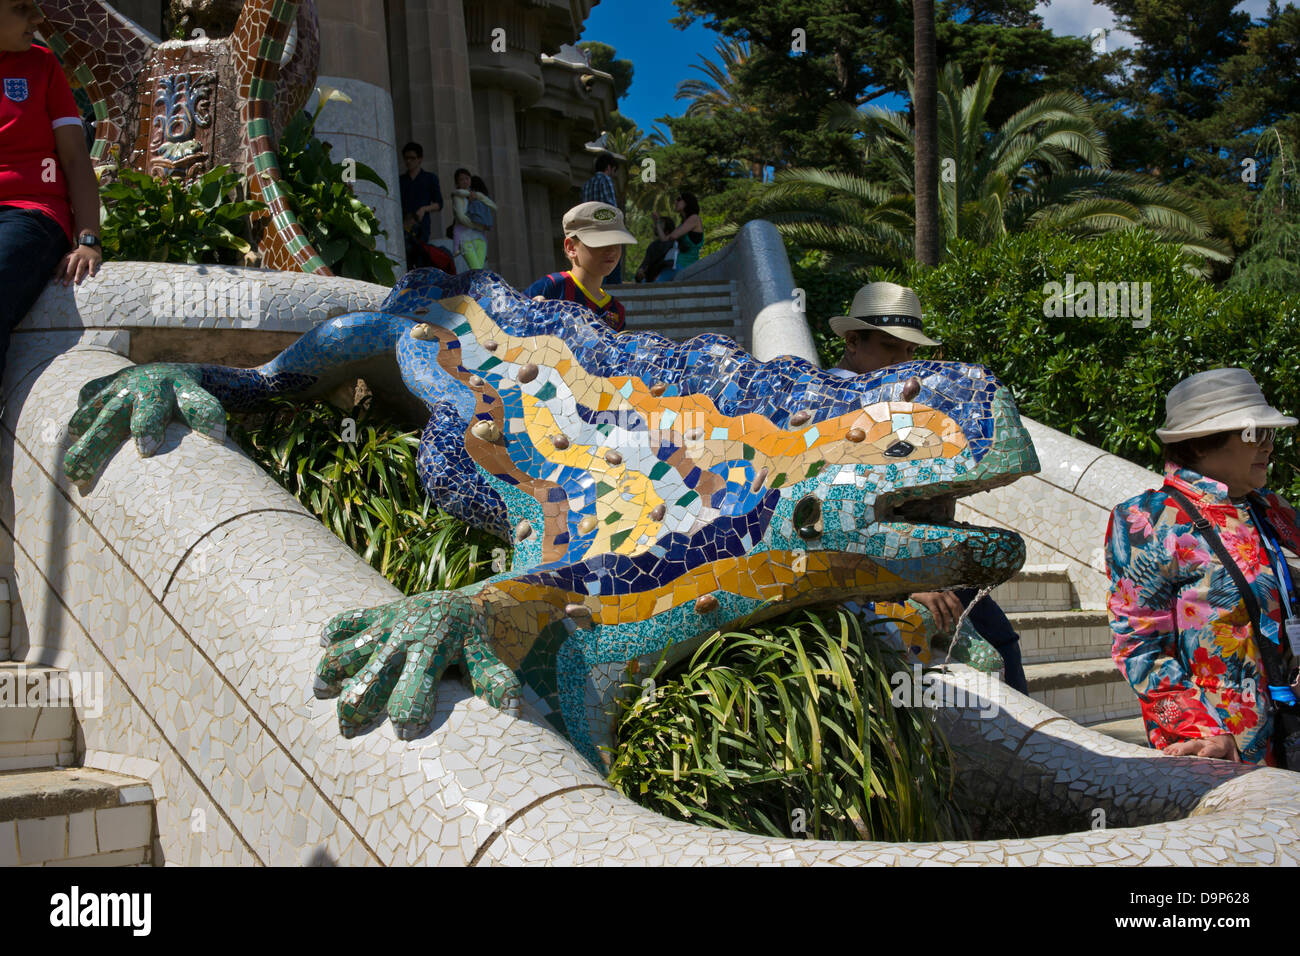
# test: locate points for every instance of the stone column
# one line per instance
(431, 87)
(541, 229)
(572, 111)
(354, 59)
(503, 39)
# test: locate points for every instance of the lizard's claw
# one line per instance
(392, 657)
(139, 402)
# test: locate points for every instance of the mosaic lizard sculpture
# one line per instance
(655, 491)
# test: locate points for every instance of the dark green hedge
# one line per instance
(1097, 378)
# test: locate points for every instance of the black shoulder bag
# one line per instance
(1286, 720)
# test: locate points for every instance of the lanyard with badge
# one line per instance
(1279, 683)
(1273, 548)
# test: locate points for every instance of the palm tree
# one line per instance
(719, 93)
(1046, 167)
(925, 161)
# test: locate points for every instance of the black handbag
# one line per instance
(1286, 717)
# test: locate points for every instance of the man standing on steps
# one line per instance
(883, 328)
(600, 188)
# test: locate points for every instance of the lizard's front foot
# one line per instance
(137, 401)
(392, 657)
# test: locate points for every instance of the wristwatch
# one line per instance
(88, 239)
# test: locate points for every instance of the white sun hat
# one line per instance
(1220, 400)
(888, 307)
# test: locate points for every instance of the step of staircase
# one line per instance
(1131, 730)
(680, 310)
(38, 720)
(75, 816)
(1042, 587)
(1086, 691)
(1052, 636)
(51, 812)
(1066, 651)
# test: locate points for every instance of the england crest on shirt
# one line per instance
(16, 89)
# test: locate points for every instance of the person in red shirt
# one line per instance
(49, 199)
(594, 236)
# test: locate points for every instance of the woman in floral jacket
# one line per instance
(1182, 631)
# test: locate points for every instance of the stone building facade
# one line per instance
(483, 84)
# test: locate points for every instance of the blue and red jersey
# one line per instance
(562, 285)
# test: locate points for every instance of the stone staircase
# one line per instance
(1066, 653)
(680, 310)
(52, 812)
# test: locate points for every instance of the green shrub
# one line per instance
(367, 492)
(340, 226)
(1097, 378)
(788, 729)
(152, 220)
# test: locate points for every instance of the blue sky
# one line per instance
(662, 55)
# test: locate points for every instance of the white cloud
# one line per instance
(1082, 17)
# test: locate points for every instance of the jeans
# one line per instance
(31, 245)
(993, 626)
(666, 275)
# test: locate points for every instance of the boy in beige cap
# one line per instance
(594, 236)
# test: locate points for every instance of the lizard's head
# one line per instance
(890, 454)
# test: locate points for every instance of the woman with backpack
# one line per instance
(472, 210)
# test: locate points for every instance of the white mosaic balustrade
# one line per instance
(127, 295)
(1062, 511)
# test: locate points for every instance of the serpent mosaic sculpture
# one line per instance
(655, 490)
(179, 108)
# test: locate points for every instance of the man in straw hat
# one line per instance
(1202, 607)
(884, 327)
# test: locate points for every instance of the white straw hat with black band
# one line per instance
(887, 307)
(1220, 400)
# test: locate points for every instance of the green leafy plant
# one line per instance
(341, 227)
(154, 220)
(367, 492)
(788, 729)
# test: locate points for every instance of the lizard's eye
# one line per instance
(808, 517)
